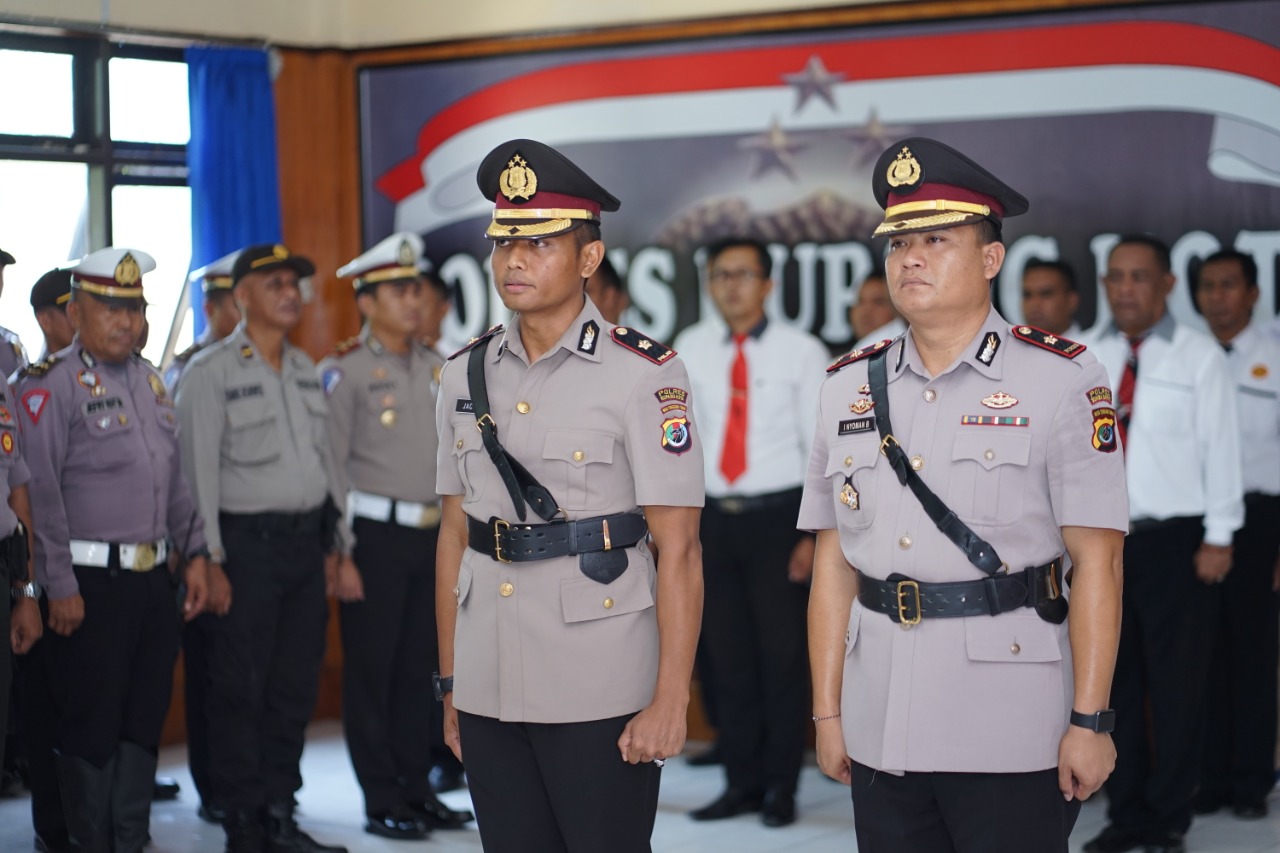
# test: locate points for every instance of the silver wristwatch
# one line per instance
(30, 589)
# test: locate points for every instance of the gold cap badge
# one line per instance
(518, 181)
(280, 252)
(127, 272)
(405, 254)
(904, 170)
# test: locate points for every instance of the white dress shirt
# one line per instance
(1183, 453)
(888, 331)
(1254, 363)
(785, 369)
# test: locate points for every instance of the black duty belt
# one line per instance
(908, 602)
(279, 523)
(599, 541)
(1160, 525)
(742, 504)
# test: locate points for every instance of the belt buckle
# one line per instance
(905, 587)
(731, 506)
(498, 526)
(144, 557)
(885, 442)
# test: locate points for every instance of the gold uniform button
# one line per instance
(848, 462)
(578, 456)
(989, 455)
(523, 408)
(1015, 648)
(455, 592)
(916, 463)
(930, 395)
(904, 543)
(506, 590)
(459, 444)
(608, 604)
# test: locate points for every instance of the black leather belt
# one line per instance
(279, 523)
(1156, 525)
(740, 504)
(907, 601)
(523, 543)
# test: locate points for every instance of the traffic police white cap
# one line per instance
(217, 275)
(114, 272)
(397, 258)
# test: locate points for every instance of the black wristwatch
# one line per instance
(441, 685)
(1102, 722)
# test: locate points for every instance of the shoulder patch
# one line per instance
(474, 341)
(344, 347)
(642, 345)
(38, 368)
(1045, 340)
(857, 355)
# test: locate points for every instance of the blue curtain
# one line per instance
(235, 184)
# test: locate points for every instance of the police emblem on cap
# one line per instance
(905, 170)
(406, 255)
(127, 272)
(280, 252)
(518, 181)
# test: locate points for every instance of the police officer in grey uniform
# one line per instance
(255, 449)
(99, 425)
(382, 396)
(568, 460)
(221, 314)
(12, 355)
(957, 471)
(50, 296)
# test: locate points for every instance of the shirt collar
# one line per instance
(754, 332)
(1164, 327)
(985, 353)
(582, 337)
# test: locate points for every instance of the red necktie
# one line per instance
(733, 458)
(1127, 383)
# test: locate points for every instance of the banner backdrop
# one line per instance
(1155, 119)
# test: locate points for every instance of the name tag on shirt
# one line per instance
(465, 407)
(243, 392)
(857, 425)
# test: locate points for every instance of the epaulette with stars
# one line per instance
(476, 341)
(38, 368)
(858, 355)
(642, 345)
(350, 345)
(1046, 340)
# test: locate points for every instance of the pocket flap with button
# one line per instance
(991, 448)
(464, 583)
(1018, 637)
(578, 447)
(468, 439)
(242, 416)
(584, 600)
(847, 456)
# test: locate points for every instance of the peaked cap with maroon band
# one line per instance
(538, 192)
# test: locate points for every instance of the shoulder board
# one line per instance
(349, 345)
(476, 341)
(1053, 343)
(642, 345)
(858, 355)
(38, 368)
(188, 353)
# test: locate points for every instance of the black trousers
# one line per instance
(753, 621)
(113, 676)
(557, 787)
(961, 812)
(195, 686)
(390, 650)
(38, 732)
(1161, 672)
(1240, 739)
(264, 659)
(6, 665)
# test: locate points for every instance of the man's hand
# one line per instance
(1085, 760)
(656, 732)
(349, 586)
(800, 566)
(66, 614)
(331, 574)
(833, 755)
(451, 736)
(218, 601)
(24, 625)
(1212, 562)
(196, 578)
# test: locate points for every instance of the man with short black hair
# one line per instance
(49, 298)
(1050, 298)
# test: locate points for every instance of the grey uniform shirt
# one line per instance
(12, 355)
(173, 373)
(606, 430)
(101, 443)
(1018, 442)
(381, 422)
(13, 468)
(253, 439)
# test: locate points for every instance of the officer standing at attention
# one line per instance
(382, 397)
(221, 314)
(956, 473)
(100, 425)
(50, 296)
(255, 449)
(568, 462)
(12, 355)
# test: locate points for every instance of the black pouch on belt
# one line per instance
(603, 566)
(13, 554)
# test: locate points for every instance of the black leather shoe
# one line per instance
(392, 825)
(1205, 803)
(211, 813)
(1113, 840)
(710, 758)
(434, 814)
(284, 836)
(779, 809)
(166, 788)
(1169, 841)
(731, 803)
(1250, 809)
(446, 779)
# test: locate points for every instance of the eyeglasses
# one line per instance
(735, 276)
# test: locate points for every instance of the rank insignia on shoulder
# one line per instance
(187, 354)
(475, 341)
(1047, 340)
(38, 368)
(344, 347)
(858, 355)
(642, 345)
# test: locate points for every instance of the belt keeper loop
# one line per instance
(608, 543)
(993, 595)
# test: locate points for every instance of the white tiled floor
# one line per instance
(331, 810)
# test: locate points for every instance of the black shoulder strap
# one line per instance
(979, 552)
(520, 484)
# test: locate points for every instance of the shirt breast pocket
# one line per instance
(571, 457)
(989, 474)
(584, 600)
(1164, 406)
(253, 435)
(1017, 637)
(109, 433)
(470, 460)
(851, 473)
